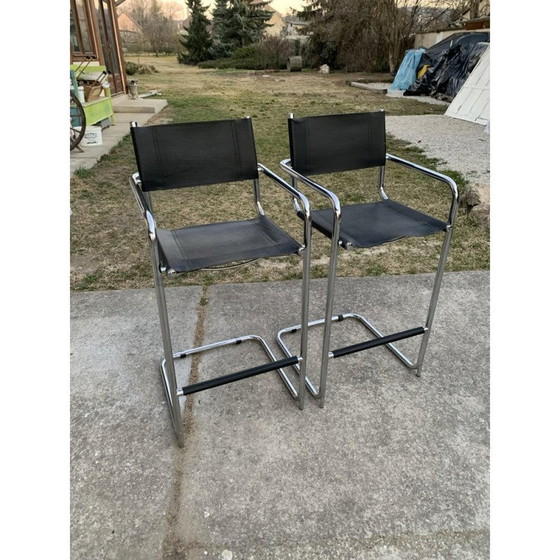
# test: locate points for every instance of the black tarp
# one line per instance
(450, 62)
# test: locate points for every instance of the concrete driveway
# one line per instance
(393, 467)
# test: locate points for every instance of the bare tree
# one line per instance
(473, 8)
(156, 22)
(399, 20)
(359, 34)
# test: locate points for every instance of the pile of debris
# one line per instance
(441, 70)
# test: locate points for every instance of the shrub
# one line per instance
(245, 53)
(230, 63)
(131, 68)
(273, 52)
(147, 69)
(243, 58)
(270, 54)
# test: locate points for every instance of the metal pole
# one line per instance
(434, 299)
(169, 369)
(329, 307)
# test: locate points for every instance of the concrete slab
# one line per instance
(421, 98)
(385, 88)
(123, 451)
(374, 86)
(139, 105)
(394, 466)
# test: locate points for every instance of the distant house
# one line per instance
(294, 27)
(276, 22)
(94, 37)
(126, 24)
(131, 34)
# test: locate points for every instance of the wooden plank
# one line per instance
(98, 110)
(472, 101)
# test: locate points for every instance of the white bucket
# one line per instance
(92, 136)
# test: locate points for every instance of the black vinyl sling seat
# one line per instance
(332, 144)
(184, 155)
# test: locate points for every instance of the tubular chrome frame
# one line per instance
(167, 368)
(337, 214)
(329, 317)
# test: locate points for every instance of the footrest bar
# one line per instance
(344, 351)
(230, 378)
(237, 340)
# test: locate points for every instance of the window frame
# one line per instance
(83, 54)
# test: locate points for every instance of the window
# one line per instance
(81, 43)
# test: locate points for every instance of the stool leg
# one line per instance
(434, 299)
(304, 312)
(328, 312)
(168, 371)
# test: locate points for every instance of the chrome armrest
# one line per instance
(286, 164)
(142, 204)
(300, 198)
(434, 175)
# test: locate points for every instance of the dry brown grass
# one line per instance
(109, 243)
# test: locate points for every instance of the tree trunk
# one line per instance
(474, 8)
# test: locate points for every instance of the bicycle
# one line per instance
(77, 121)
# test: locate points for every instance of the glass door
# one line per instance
(109, 45)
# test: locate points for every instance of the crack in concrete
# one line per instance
(172, 545)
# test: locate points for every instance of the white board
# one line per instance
(472, 103)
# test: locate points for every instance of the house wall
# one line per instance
(126, 24)
(428, 40)
(276, 23)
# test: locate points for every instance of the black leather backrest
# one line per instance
(191, 154)
(332, 143)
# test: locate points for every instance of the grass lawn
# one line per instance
(109, 247)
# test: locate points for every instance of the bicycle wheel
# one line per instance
(77, 121)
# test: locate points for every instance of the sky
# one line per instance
(281, 6)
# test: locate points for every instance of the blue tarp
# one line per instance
(406, 75)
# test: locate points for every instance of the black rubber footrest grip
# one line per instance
(377, 342)
(230, 378)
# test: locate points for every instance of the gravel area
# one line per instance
(463, 146)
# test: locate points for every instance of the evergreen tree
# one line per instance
(259, 16)
(221, 19)
(195, 37)
(238, 23)
(322, 47)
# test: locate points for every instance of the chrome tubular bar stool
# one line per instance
(186, 155)
(337, 143)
